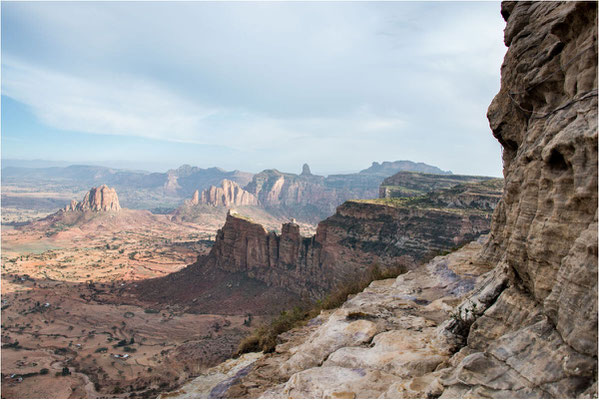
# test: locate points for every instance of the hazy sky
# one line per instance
(252, 85)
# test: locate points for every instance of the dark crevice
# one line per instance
(557, 162)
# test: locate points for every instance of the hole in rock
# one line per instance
(557, 162)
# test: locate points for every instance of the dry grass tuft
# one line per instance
(264, 338)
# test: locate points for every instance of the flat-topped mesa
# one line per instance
(100, 198)
(229, 194)
(410, 184)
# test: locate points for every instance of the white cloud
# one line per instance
(121, 106)
(129, 107)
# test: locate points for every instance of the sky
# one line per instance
(252, 85)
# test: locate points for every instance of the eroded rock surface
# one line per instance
(540, 338)
(100, 198)
(345, 246)
(227, 195)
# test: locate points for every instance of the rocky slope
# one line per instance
(100, 198)
(380, 343)
(528, 326)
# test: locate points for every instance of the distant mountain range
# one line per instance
(303, 194)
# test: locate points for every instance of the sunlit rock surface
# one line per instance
(100, 198)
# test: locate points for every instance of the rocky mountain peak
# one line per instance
(100, 198)
(306, 170)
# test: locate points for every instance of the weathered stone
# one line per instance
(540, 338)
(384, 340)
(346, 245)
(229, 194)
(545, 116)
(100, 198)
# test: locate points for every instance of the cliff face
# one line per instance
(184, 180)
(274, 188)
(100, 198)
(359, 235)
(544, 232)
(227, 195)
(545, 228)
(277, 260)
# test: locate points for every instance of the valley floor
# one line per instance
(70, 327)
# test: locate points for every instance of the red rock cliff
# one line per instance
(359, 235)
(100, 198)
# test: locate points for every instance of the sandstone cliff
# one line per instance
(311, 198)
(359, 235)
(544, 231)
(227, 195)
(100, 198)
(528, 326)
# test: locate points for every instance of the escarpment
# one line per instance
(391, 234)
(525, 325)
(410, 184)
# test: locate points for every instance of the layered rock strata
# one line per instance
(545, 227)
(358, 236)
(228, 194)
(100, 198)
(411, 184)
